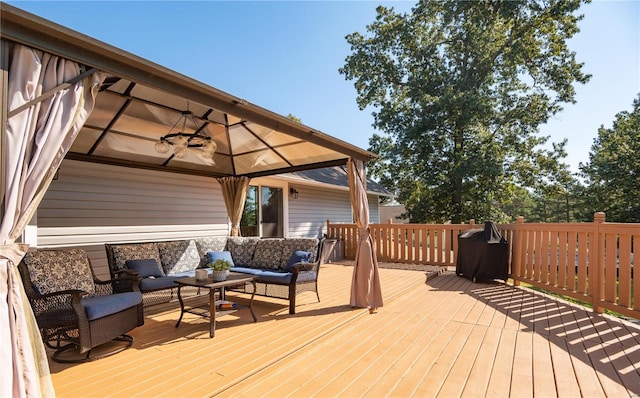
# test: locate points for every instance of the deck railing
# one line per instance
(590, 262)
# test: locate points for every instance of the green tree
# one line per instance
(294, 118)
(612, 174)
(459, 89)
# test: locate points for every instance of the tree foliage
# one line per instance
(459, 89)
(612, 174)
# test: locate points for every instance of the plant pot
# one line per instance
(219, 276)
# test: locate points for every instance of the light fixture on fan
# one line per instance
(182, 141)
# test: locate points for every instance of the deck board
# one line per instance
(443, 337)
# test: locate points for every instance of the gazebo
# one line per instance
(67, 95)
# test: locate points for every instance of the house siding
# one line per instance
(90, 204)
(309, 213)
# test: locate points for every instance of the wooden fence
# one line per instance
(591, 262)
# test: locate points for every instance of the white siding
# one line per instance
(90, 204)
(374, 209)
(309, 213)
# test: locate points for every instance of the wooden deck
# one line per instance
(444, 337)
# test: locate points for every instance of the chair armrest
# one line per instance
(126, 273)
(124, 283)
(297, 267)
(62, 300)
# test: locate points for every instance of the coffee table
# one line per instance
(233, 279)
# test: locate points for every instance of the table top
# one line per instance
(233, 278)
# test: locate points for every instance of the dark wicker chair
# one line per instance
(76, 312)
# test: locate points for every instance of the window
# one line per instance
(263, 212)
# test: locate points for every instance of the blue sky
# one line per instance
(285, 55)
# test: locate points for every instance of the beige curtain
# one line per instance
(38, 135)
(365, 284)
(234, 191)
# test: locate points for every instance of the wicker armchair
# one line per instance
(76, 312)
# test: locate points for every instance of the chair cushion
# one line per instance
(100, 306)
(57, 270)
(298, 256)
(220, 255)
(145, 267)
(267, 254)
(133, 251)
(178, 256)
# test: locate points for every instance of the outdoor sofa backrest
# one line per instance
(178, 256)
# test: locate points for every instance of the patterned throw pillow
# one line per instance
(57, 270)
(242, 249)
(178, 256)
(290, 245)
(134, 251)
(268, 254)
(206, 245)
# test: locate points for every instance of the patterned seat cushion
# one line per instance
(178, 256)
(57, 270)
(267, 254)
(134, 251)
(290, 245)
(242, 249)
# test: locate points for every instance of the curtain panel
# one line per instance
(46, 105)
(365, 284)
(234, 192)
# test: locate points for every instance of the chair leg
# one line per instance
(60, 357)
(292, 299)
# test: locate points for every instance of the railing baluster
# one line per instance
(562, 258)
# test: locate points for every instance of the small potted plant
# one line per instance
(220, 268)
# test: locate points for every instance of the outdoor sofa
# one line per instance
(271, 260)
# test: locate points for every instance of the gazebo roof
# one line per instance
(141, 101)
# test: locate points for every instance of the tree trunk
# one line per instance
(456, 179)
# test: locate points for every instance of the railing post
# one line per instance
(516, 255)
(598, 250)
(472, 221)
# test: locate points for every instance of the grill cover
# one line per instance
(483, 254)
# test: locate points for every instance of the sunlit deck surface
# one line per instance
(445, 336)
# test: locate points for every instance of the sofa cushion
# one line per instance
(220, 255)
(145, 267)
(298, 256)
(57, 270)
(100, 306)
(267, 254)
(133, 251)
(242, 249)
(247, 270)
(290, 245)
(205, 245)
(166, 282)
(277, 277)
(178, 256)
